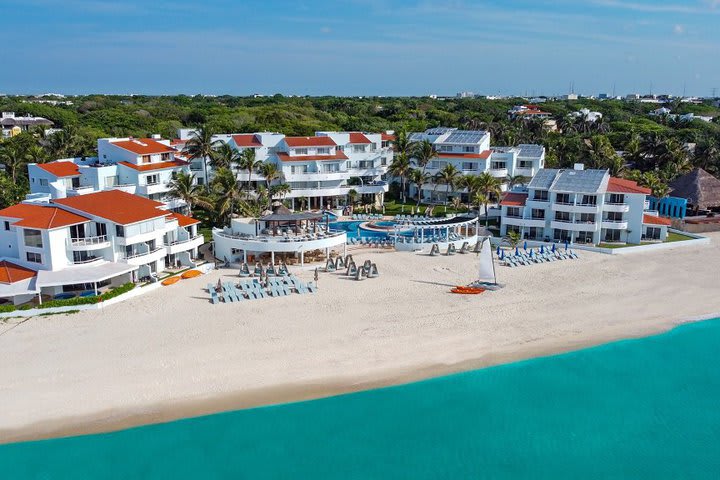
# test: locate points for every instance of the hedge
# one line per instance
(71, 302)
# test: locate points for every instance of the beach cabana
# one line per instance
(699, 188)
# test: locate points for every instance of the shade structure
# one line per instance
(91, 273)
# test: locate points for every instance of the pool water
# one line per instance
(353, 230)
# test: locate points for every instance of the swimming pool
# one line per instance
(353, 230)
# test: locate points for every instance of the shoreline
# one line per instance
(170, 354)
(182, 408)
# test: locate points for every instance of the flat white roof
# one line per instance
(23, 287)
(93, 272)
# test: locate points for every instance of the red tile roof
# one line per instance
(44, 217)
(143, 146)
(513, 199)
(484, 155)
(60, 169)
(310, 142)
(115, 205)
(247, 140)
(183, 220)
(621, 185)
(301, 158)
(655, 220)
(357, 137)
(11, 273)
(148, 167)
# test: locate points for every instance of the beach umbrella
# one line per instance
(525, 245)
(497, 252)
(566, 244)
(553, 248)
(531, 253)
(317, 276)
(542, 249)
(516, 251)
(502, 254)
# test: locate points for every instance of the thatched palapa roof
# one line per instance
(701, 189)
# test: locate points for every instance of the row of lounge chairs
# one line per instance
(374, 242)
(254, 289)
(261, 270)
(452, 237)
(451, 249)
(367, 216)
(523, 258)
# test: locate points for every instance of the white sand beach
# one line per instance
(171, 354)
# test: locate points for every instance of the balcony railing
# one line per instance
(140, 254)
(177, 242)
(87, 260)
(88, 241)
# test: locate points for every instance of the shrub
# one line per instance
(71, 302)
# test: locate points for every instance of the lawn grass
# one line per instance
(677, 237)
(671, 237)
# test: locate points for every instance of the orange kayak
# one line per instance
(170, 281)
(191, 274)
(467, 290)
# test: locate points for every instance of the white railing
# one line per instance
(88, 260)
(88, 241)
(140, 254)
(177, 242)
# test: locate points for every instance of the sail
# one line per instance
(487, 269)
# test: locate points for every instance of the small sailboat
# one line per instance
(487, 280)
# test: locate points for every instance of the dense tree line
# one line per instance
(655, 148)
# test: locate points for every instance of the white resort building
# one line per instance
(143, 166)
(87, 242)
(583, 206)
(471, 154)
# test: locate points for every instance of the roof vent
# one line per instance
(579, 166)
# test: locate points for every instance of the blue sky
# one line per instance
(359, 47)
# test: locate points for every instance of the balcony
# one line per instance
(143, 257)
(577, 226)
(379, 187)
(615, 224)
(616, 207)
(89, 243)
(524, 222)
(75, 191)
(88, 261)
(183, 245)
(574, 208)
(525, 172)
(317, 176)
(152, 188)
(498, 172)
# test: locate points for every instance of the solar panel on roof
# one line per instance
(582, 181)
(438, 131)
(416, 137)
(527, 150)
(543, 179)
(465, 137)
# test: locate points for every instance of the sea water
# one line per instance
(647, 408)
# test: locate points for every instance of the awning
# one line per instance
(23, 287)
(94, 272)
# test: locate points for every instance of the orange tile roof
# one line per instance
(513, 199)
(183, 220)
(484, 155)
(44, 217)
(310, 142)
(149, 167)
(115, 205)
(387, 137)
(621, 185)
(655, 220)
(302, 158)
(143, 146)
(357, 137)
(247, 140)
(60, 169)
(11, 273)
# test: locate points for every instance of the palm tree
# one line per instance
(457, 203)
(513, 180)
(481, 199)
(512, 238)
(280, 190)
(400, 167)
(419, 178)
(35, 154)
(228, 194)
(489, 187)
(249, 162)
(401, 144)
(12, 156)
(270, 171)
(424, 152)
(224, 156)
(62, 144)
(183, 187)
(202, 146)
(448, 176)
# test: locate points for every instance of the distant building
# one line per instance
(13, 125)
(569, 97)
(587, 114)
(527, 111)
(465, 95)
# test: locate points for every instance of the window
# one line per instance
(524, 164)
(33, 257)
(174, 175)
(562, 198)
(366, 164)
(340, 148)
(348, 164)
(43, 182)
(469, 166)
(7, 225)
(33, 238)
(358, 148)
(165, 157)
(77, 231)
(589, 200)
(652, 233)
(513, 212)
(538, 214)
(112, 181)
(373, 147)
(145, 159)
(614, 217)
(323, 151)
(445, 148)
(100, 229)
(498, 165)
(152, 179)
(298, 169)
(562, 216)
(540, 195)
(119, 231)
(587, 218)
(612, 235)
(300, 151)
(469, 149)
(330, 168)
(616, 199)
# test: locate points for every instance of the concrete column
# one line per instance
(345, 249)
(272, 258)
(302, 258)
(244, 256)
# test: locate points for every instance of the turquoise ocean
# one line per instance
(646, 408)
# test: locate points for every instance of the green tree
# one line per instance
(183, 187)
(202, 146)
(423, 153)
(400, 168)
(419, 178)
(249, 162)
(448, 176)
